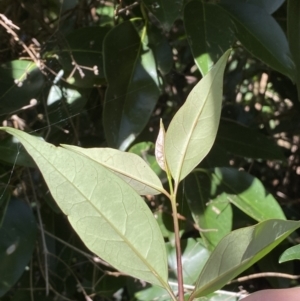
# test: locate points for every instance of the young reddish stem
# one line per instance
(177, 239)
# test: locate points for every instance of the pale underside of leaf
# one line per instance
(160, 147)
(108, 215)
(128, 166)
(193, 129)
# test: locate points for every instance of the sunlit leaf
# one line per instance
(247, 193)
(194, 256)
(260, 35)
(193, 129)
(146, 151)
(238, 251)
(293, 253)
(20, 82)
(209, 32)
(108, 215)
(17, 241)
(130, 167)
(133, 86)
(210, 208)
(160, 147)
(63, 103)
(152, 293)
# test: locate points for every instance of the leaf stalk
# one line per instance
(173, 193)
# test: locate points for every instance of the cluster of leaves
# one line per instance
(99, 74)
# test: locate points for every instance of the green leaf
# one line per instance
(21, 81)
(166, 11)
(152, 293)
(219, 296)
(133, 87)
(293, 28)
(292, 253)
(17, 241)
(12, 152)
(261, 35)
(194, 256)
(247, 193)
(84, 47)
(108, 215)
(146, 151)
(238, 251)
(129, 167)
(161, 50)
(246, 142)
(193, 129)
(160, 147)
(63, 103)
(208, 38)
(211, 211)
(269, 5)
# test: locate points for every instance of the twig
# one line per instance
(45, 249)
(127, 8)
(188, 287)
(9, 26)
(177, 239)
(95, 259)
(265, 274)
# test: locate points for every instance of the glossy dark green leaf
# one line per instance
(247, 193)
(152, 293)
(84, 47)
(194, 257)
(166, 11)
(20, 82)
(293, 253)
(161, 49)
(209, 32)
(193, 129)
(133, 86)
(269, 264)
(211, 211)
(11, 151)
(238, 251)
(242, 141)
(293, 22)
(112, 220)
(17, 241)
(269, 5)
(261, 35)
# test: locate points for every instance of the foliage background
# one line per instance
(103, 73)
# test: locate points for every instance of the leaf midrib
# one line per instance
(153, 271)
(186, 145)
